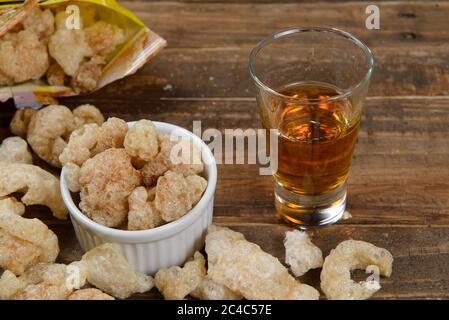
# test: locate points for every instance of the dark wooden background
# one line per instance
(399, 183)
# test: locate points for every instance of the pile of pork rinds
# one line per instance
(41, 46)
(236, 269)
(127, 178)
(132, 179)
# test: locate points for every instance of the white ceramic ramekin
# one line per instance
(168, 245)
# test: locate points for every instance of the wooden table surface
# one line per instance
(399, 181)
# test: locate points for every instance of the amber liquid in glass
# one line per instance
(316, 140)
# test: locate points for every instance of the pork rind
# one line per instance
(40, 22)
(72, 174)
(176, 195)
(103, 38)
(81, 141)
(196, 185)
(106, 181)
(142, 213)
(43, 281)
(108, 270)
(17, 254)
(88, 74)
(90, 294)
(38, 185)
(22, 57)
(87, 113)
(300, 253)
(246, 269)
(175, 283)
(141, 141)
(156, 168)
(11, 204)
(175, 154)
(211, 290)
(9, 285)
(349, 255)
(111, 135)
(20, 121)
(25, 242)
(69, 48)
(48, 130)
(15, 150)
(90, 139)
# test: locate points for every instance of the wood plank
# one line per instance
(421, 265)
(217, 73)
(398, 174)
(205, 25)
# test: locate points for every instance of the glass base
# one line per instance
(310, 211)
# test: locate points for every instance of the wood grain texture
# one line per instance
(222, 25)
(398, 187)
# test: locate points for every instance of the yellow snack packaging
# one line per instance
(139, 46)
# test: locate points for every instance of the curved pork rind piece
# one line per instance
(43, 281)
(72, 174)
(87, 113)
(81, 142)
(90, 294)
(300, 253)
(142, 213)
(178, 155)
(25, 242)
(246, 269)
(141, 141)
(176, 195)
(106, 181)
(39, 186)
(23, 57)
(211, 290)
(48, 130)
(175, 283)
(111, 135)
(11, 204)
(108, 270)
(40, 21)
(103, 38)
(20, 121)
(15, 150)
(349, 255)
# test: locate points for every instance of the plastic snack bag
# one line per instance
(57, 48)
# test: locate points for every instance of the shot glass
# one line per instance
(310, 86)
